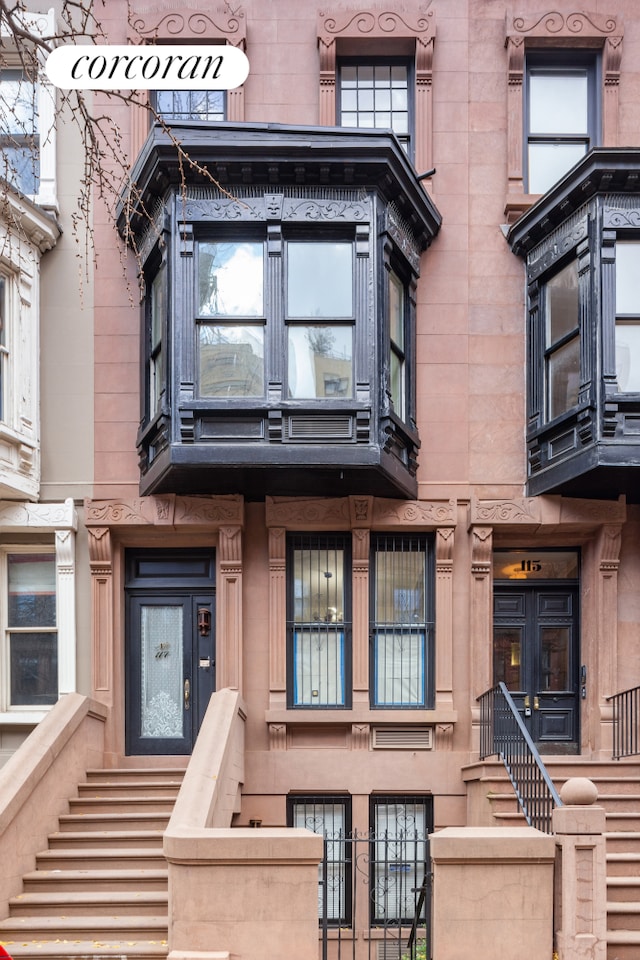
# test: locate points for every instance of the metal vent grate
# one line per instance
(320, 428)
(390, 949)
(402, 738)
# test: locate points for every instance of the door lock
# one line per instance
(204, 663)
(527, 706)
(187, 693)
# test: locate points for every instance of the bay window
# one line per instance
(627, 324)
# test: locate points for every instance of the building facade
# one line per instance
(368, 444)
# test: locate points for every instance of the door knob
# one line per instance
(187, 693)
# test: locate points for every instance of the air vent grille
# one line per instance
(402, 738)
(320, 428)
(390, 949)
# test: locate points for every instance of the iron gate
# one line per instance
(375, 896)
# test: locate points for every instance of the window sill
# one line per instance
(518, 203)
(28, 718)
(333, 716)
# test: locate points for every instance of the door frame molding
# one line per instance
(112, 525)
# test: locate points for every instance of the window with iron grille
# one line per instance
(330, 817)
(401, 621)
(400, 826)
(319, 620)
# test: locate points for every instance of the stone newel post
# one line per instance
(581, 883)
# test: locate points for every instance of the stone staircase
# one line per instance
(100, 889)
(618, 784)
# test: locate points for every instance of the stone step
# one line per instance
(103, 858)
(623, 944)
(623, 889)
(81, 822)
(104, 949)
(94, 839)
(92, 904)
(82, 880)
(126, 774)
(623, 864)
(623, 841)
(123, 804)
(126, 788)
(626, 821)
(111, 927)
(623, 915)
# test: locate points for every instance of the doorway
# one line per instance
(536, 652)
(169, 648)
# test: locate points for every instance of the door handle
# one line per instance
(187, 693)
(536, 703)
(527, 706)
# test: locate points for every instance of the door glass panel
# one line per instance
(161, 639)
(555, 658)
(507, 657)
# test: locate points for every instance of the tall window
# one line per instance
(400, 827)
(20, 141)
(562, 341)
(402, 621)
(375, 93)
(562, 114)
(318, 617)
(231, 319)
(397, 346)
(627, 335)
(203, 105)
(331, 817)
(156, 327)
(4, 353)
(32, 638)
(320, 312)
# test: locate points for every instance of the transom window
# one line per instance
(375, 93)
(319, 620)
(562, 340)
(203, 105)
(562, 114)
(31, 631)
(627, 333)
(402, 626)
(20, 141)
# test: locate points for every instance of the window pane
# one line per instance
(558, 102)
(628, 356)
(230, 277)
(320, 280)
(555, 658)
(397, 384)
(190, 104)
(562, 303)
(162, 671)
(627, 274)
(329, 820)
(318, 656)
(507, 656)
(399, 669)
(400, 831)
(32, 590)
(320, 361)
(33, 668)
(3, 343)
(548, 162)
(231, 361)
(563, 368)
(19, 144)
(400, 582)
(318, 584)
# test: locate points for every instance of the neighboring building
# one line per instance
(377, 446)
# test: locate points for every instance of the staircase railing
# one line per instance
(626, 716)
(502, 732)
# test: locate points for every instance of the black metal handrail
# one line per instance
(626, 716)
(502, 732)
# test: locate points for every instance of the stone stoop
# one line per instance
(491, 799)
(101, 888)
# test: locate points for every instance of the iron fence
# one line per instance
(626, 739)
(375, 896)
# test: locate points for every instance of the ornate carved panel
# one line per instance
(340, 513)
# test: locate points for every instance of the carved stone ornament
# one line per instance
(166, 23)
(544, 511)
(165, 511)
(43, 516)
(339, 513)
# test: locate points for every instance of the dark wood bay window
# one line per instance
(279, 327)
(582, 248)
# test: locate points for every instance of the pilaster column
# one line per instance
(66, 609)
(360, 607)
(444, 616)
(101, 564)
(229, 655)
(606, 650)
(480, 623)
(277, 612)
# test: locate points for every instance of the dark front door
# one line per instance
(170, 648)
(535, 654)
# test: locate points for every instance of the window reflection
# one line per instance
(231, 360)
(230, 280)
(320, 361)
